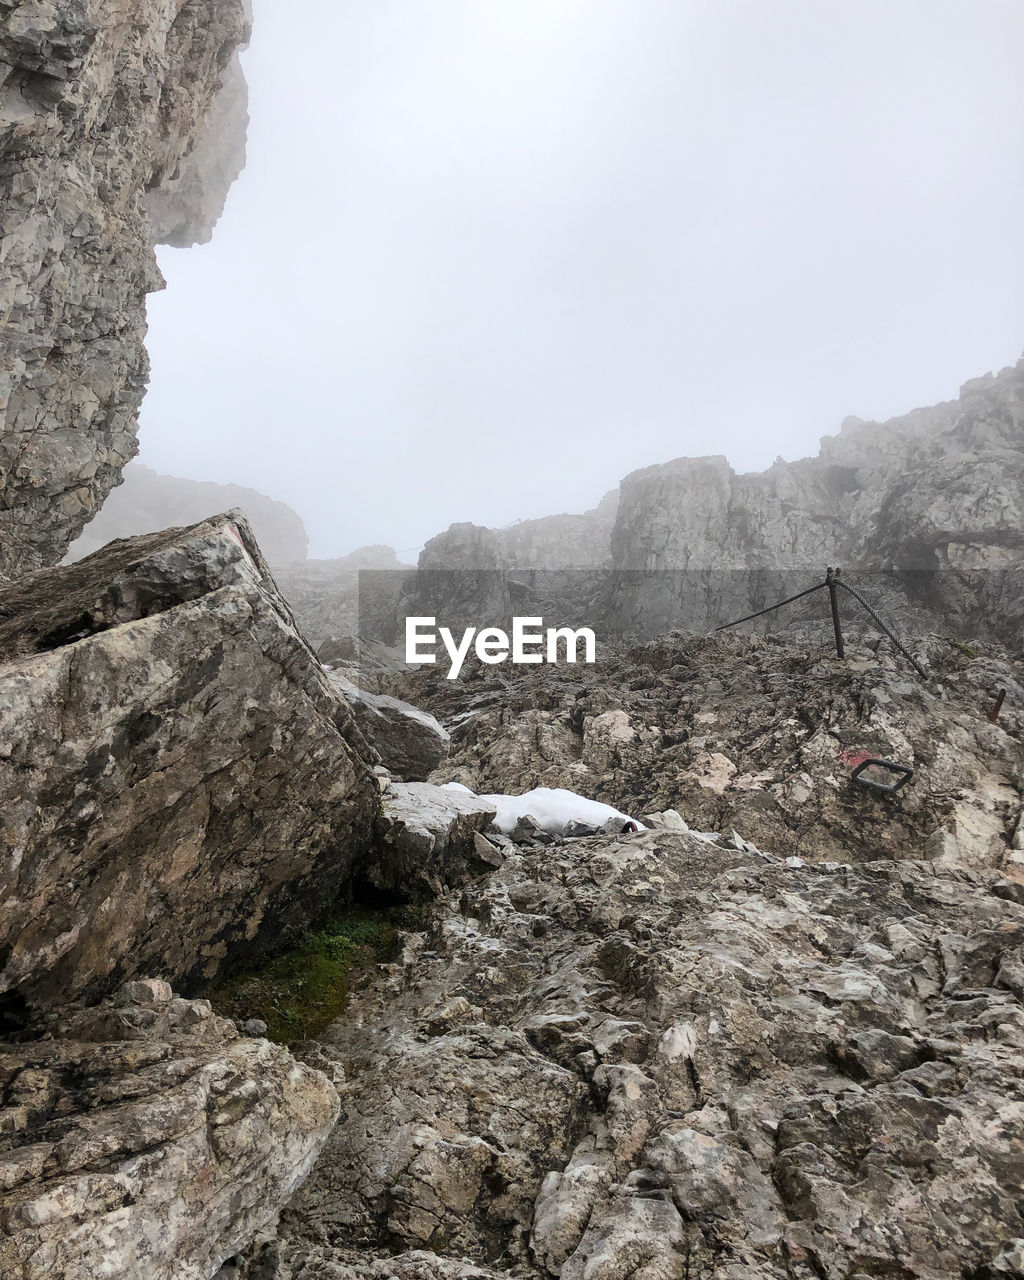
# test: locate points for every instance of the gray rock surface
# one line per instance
(145, 1140)
(146, 502)
(760, 734)
(651, 1056)
(180, 782)
(99, 105)
(428, 838)
(410, 742)
(924, 509)
(563, 541)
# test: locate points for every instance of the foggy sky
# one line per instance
(488, 256)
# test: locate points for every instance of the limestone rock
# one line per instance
(411, 743)
(147, 1139)
(427, 838)
(572, 542)
(179, 780)
(99, 104)
(762, 735)
(937, 489)
(648, 1055)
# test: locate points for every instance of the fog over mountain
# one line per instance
(485, 260)
(659, 913)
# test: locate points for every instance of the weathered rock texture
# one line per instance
(145, 1140)
(410, 742)
(146, 502)
(180, 782)
(934, 495)
(651, 1057)
(429, 837)
(760, 734)
(561, 542)
(100, 104)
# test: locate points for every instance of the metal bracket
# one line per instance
(904, 772)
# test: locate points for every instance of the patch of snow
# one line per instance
(551, 807)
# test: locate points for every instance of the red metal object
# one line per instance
(997, 706)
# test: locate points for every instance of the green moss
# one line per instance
(964, 648)
(298, 992)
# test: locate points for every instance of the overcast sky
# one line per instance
(489, 256)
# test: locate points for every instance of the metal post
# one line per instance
(831, 577)
(993, 715)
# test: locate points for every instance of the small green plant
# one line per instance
(299, 991)
(964, 648)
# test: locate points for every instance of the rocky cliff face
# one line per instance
(561, 542)
(146, 502)
(931, 499)
(938, 490)
(104, 151)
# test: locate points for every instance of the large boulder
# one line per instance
(411, 742)
(147, 1139)
(180, 782)
(429, 837)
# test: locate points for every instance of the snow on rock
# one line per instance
(553, 808)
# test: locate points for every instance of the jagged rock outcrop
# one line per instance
(146, 502)
(145, 1140)
(759, 734)
(429, 837)
(459, 578)
(180, 782)
(563, 541)
(925, 508)
(101, 108)
(184, 209)
(938, 490)
(648, 1056)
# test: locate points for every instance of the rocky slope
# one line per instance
(937, 490)
(648, 1056)
(760, 734)
(146, 502)
(785, 1042)
(146, 1139)
(180, 781)
(104, 151)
